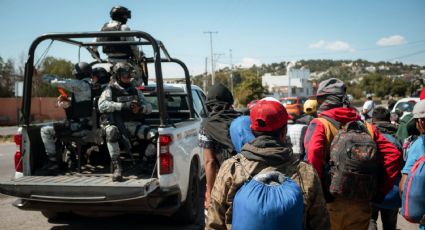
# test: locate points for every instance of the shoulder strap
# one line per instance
(331, 127)
(370, 130)
(237, 159)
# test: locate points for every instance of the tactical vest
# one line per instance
(115, 51)
(81, 109)
(123, 96)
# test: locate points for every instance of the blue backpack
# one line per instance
(413, 198)
(240, 132)
(268, 201)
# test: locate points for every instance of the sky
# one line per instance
(248, 31)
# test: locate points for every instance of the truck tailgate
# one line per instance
(78, 188)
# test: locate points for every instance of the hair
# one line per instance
(381, 114)
(273, 133)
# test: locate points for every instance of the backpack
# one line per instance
(240, 132)
(392, 200)
(413, 198)
(354, 165)
(275, 202)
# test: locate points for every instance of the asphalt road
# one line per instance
(13, 218)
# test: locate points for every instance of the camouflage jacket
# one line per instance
(261, 155)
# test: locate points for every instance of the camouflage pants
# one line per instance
(49, 136)
(113, 135)
(349, 214)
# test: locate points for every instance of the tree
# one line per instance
(7, 70)
(250, 89)
(52, 66)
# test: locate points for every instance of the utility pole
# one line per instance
(204, 83)
(231, 72)
(212, 54)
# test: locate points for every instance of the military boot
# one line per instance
(116, 169)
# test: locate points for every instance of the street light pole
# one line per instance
(212, 55)
(231, 72)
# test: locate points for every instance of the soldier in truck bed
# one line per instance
(121, 104)
(78, 120)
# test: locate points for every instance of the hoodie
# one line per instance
(317, 148)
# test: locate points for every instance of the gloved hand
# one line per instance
(135, 107)
(126, 105)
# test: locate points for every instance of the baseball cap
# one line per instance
(268, 115)
(331, 86)
(419, 109)
(310, 106)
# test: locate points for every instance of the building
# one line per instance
(296, 79)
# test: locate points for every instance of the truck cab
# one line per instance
(171, 187)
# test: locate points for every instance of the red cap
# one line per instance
(268, 115)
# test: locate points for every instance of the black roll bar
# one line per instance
(156, 45)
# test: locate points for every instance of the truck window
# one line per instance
(197, 104)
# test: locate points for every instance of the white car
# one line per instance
(406, 105)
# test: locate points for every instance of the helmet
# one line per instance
(82, 70)
(310, 106)
(102, 75)
(120, 68)
(120, 13)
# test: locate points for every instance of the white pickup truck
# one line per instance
(171, 187)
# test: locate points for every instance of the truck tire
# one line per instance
(52, 215)
(188, 212)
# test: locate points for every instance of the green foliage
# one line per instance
(7, 70)
(250, 88)
(51, 66)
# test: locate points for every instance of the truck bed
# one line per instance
(79, 188)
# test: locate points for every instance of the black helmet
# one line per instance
(120, 13)
(82, 70)
(102, 75)
(120, 68)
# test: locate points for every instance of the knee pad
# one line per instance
(112, 134)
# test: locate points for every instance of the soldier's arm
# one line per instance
(134, 48)
(106, 105)
(70, 84)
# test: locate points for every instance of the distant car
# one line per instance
(293, 105)
(405, 104)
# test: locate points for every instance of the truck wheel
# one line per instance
(52, 215)
(188, 212)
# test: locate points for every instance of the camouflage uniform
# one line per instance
(107, 105)
(81, 91)
(232, 176)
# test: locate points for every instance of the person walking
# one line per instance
(334, 110)
(269, 151)
(214, 137)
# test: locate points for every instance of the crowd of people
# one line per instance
(351, 167)
(350, 160)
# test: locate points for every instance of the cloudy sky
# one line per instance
(256, 31)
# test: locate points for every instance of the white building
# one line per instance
(297, 79)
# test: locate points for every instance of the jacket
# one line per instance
(265, 154)
(318, 150)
